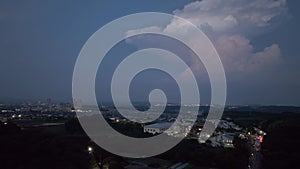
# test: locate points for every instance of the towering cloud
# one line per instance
(230, 25)
(234, 16)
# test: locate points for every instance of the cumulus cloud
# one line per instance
(237, 16)
(230, 25)
(237, 54)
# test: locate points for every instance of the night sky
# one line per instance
(257, 42)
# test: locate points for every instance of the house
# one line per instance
(157, 128)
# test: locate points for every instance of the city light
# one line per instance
(90, 149)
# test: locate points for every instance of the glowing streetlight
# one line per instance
(90, 149)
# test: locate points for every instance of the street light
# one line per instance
(98, 162)
(90, 149)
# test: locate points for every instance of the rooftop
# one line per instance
(159, 125)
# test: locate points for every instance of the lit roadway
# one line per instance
(255, 160)
(256, 156)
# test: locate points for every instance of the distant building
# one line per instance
(196, 130)
(223, 140)
(224, 124)
(157, 128)
(227, 140)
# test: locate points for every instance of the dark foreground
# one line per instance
(65, 147)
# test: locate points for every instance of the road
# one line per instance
(255, 160)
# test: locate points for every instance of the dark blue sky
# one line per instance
(40, 41)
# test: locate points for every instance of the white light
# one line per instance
(90, 149)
